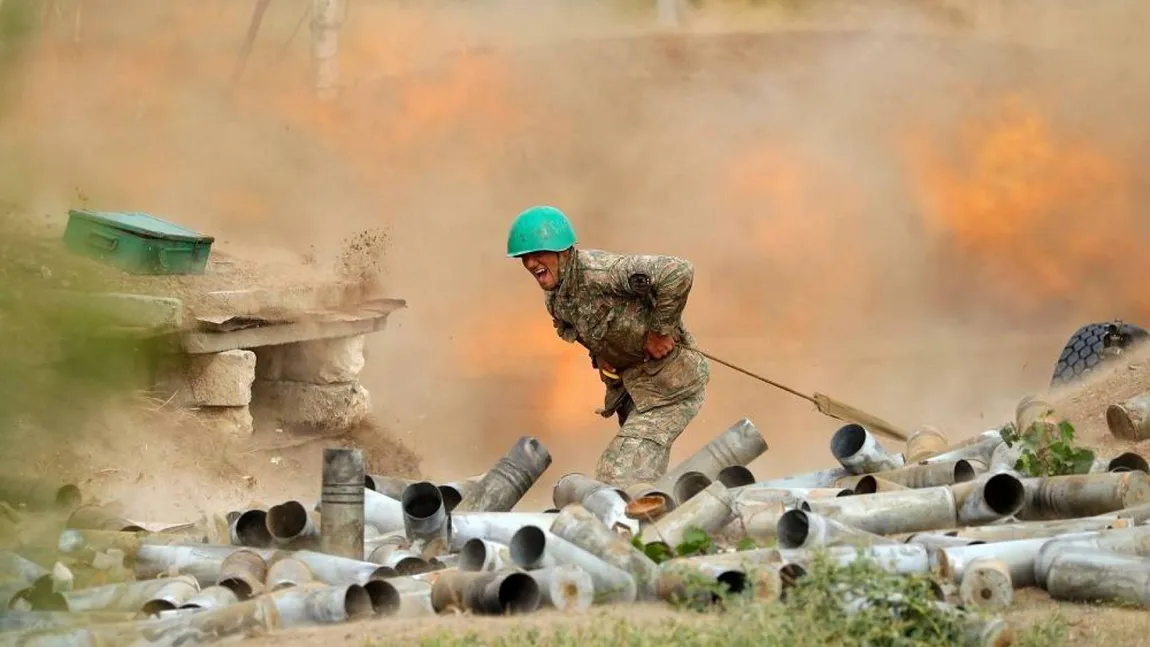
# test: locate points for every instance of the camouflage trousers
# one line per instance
(641, 450)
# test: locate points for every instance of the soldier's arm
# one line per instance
(666, 280)
(565, 331)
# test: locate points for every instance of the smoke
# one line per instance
(908, 213)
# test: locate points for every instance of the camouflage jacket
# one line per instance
(608, 302)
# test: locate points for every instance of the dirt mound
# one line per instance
(160, 464)
(1084, 403)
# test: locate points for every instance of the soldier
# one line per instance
(626, 310)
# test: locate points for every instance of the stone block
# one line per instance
(220, 379)
(323, 361)
(299, 406)
(230, 423)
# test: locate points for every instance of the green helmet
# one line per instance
(540, 229)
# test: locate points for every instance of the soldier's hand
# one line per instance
(658, 346)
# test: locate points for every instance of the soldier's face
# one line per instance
(544, 266)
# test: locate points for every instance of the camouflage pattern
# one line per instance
(607, 303)
(641, 451)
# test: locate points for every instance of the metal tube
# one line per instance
(643, 493)
(986, 584)
(1038, 529)
(930, 474)
(988, 498)
(688, 485)
(710, 510)
(1005, 458)
(1127, 541)
(212, 597)
(204, 562)
(1018, 555)
(1087, 576)
(244, 572)
(575, 487)
(566, 587)
(129, 596)
(488, 593)
(454, 491)
(1137, 515)
(201, 561)
(900, 559)
(336, 570)
(934, 540)
(821, 479)
(385, 598)
(19, 568)
(482, 555)
(414, 596)
(799, 529)
(757, 520)
(292, 524)
(285, 572)
(1130, 419)
(871, 484)
(250, 528)
(306, 605)
(739, 444)
(584, 530)
(391, 486)
(1083, 495)
(170, 596)
(978, 449)
(493, 526)
(755, 493)
(509, 479)
(532, 545)
(507, 592)
(925, 442)
(1032, 411)
(678, 580)
(94, 517)
(41, 620)
(399, 559)
(283, 610)
(1124, 462)
(887, 513)
(734, 476)
(37, 495)
(526, 549)
(342, 498)
(424, 514)
(382, 512)
(859, 452)
(83, 545)
(611, 508)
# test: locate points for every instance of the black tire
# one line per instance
(1093, 345)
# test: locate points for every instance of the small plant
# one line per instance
(696, 541)
(1048, 449)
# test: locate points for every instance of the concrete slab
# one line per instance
(363, 319)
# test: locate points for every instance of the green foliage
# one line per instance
(746, 543)
(696, 541)
(856, 605)
(60, 362)
(1051, 630)
(1048, 450)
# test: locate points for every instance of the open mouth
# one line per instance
(540, 274)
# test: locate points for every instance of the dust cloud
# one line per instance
(909, 211)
